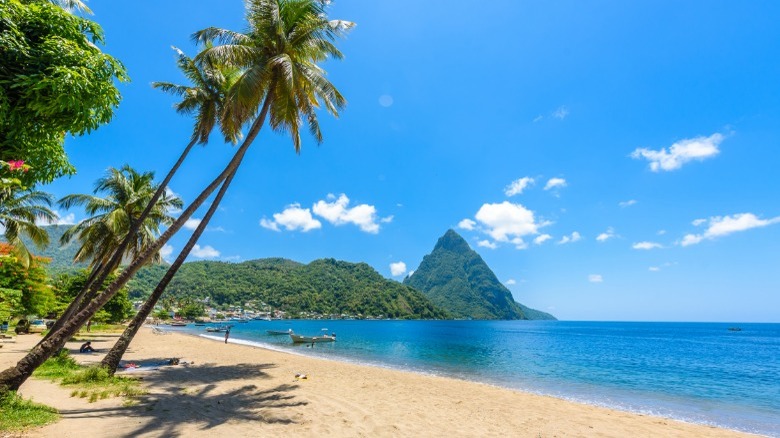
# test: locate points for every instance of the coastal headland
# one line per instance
(238, 390)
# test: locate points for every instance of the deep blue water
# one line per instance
(696, 372)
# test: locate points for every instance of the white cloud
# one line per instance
(204, 252)
(292, 218)
(216, 229)
(555, 182)
(165, 252)
(542, 238)
(517, 186)
(487, 244)
(505, 221)
(698, 222)
(519, 243)
(595, 278)
(561, 112)
(338, 213)
(653, 269)
(629, 203)
(574, 237)
(466, 224)
(646, 245)
(192, 223)
(725, 225)
(387, 220)
(510, 282)
(661, 232)
(609, 234)
(68, 219)
(538, 118)
(681, 152)
(398, 269)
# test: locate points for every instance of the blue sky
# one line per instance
(609, 160)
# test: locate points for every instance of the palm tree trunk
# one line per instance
(98, 277)
(12, 378)
(111, 360)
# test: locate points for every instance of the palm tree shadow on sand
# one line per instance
(191, 395)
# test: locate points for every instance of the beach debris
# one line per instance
(301, 376)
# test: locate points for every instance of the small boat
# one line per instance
(178, 324)
(735, 329)
(219, 328)
(299, 339)
(279, 332)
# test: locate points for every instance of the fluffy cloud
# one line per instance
(487, 244)
(192, 223)
(681, 152)
(654, 269)
(397, 269)
(506, 221)
(629, 203)
(646, 245)
(292, 218)
(724, 225)
(595, 278)
(337, 212)
(204, 252)
(165, 252)
(517, 186)
(574, 237)
(467, 224)
(609, 234)
(554, 183)
(68, 219)
(510, 282)
(699, 222)
(540, 239)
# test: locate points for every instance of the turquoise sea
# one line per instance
(695, 372)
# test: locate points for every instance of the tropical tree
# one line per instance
(20, 213)
(296, 35)
(277, 58)
(126, 194)
(54, 80)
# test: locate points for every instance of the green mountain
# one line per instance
(324, 286)
(61, 257)
(456, 279)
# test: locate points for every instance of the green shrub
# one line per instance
(17, 413)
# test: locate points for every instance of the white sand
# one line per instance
(240, 391)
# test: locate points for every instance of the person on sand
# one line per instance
(86, 347)
(227, 334)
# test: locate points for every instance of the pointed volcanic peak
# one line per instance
(454, 277)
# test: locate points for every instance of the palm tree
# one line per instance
(277, 59)
(20, 213)
(127, 193)
(204, 99)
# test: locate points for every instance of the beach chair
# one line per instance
(158, 331)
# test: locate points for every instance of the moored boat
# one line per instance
(279, 332)
(300, 339)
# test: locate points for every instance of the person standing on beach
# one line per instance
(227, 334)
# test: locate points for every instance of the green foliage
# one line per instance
(53, 80)
(162, 314)
(18, 414)
(456, 278)
(92, 382)
(37, 297)
(192, 311)
(68, 286)
(10, 301)
(324, 286)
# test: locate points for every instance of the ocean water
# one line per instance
(695, 372)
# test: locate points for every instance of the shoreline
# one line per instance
(243, 390)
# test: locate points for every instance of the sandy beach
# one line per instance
(235, 390)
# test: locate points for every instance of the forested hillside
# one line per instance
(325, 286)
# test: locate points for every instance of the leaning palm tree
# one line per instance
(126, 193)
(278, 57)
(20, 213)
(203, 98)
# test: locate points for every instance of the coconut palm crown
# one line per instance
(20, 213)
(127, 192)
(278, 55)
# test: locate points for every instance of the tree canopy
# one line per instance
(53, 80)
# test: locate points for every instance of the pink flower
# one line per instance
(16, 165)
